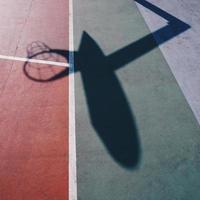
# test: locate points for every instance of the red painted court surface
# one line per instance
(34, 114)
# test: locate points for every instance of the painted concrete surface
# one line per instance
(25, 22)
(34, 115)
(161, 159)
(182, 52)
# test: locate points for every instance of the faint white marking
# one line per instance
(47, 62)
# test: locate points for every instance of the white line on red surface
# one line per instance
(14, 58)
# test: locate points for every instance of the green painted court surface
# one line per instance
(136, 135)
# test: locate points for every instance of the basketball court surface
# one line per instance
(96, 101)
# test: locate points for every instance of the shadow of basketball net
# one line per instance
(47, 71)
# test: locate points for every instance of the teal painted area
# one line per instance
(163, 160)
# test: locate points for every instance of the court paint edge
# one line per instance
(162, 49)
(72, 137)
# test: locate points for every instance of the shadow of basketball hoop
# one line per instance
(110, 113)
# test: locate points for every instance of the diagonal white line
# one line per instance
(14, 58)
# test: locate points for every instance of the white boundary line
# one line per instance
(72, 137)
(61, 64)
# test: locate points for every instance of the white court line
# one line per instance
(72, 137)
(14, 58)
